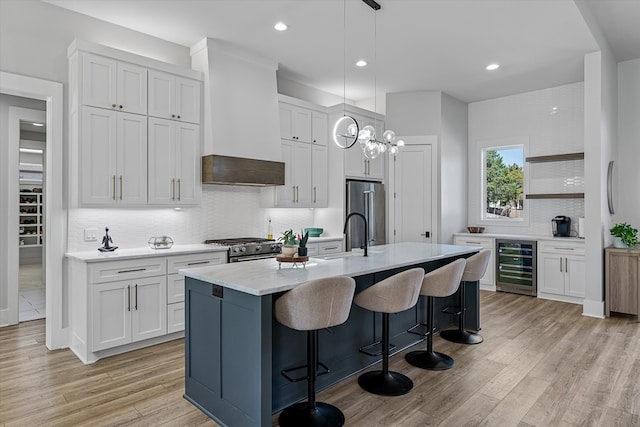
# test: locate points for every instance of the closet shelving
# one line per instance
(31, 218)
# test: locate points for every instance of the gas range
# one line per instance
(248, 248)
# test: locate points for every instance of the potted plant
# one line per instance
(302, 249)
(289, 243)
(624, 235)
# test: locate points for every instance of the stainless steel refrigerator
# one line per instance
(367, 198)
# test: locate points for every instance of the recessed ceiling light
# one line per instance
(38, 124)
(492, 67)
(361, 63)
(280, 26)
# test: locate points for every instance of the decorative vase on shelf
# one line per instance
(289, 250)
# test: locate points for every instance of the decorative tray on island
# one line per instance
(292, 259)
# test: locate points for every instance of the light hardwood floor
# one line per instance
(541, 364)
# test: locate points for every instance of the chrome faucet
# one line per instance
(366, 228)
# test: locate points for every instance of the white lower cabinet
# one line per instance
(324, 248)
(561, 270)
(488, 280)
(118, 306)
(128, 311)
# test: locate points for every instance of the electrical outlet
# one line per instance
(90, 234)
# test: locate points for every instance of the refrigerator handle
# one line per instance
(369, 213)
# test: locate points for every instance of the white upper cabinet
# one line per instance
(295, 123)
(174, 97)
(319, 177)
(107, 83)
(114, 159)
(355, 164)
(319, 129)
(174, 168)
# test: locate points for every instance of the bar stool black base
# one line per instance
(323, 415)
(389, 384)
(434, 361)
(461, 336)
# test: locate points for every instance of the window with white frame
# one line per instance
(503, 183)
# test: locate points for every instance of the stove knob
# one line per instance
(258, 248)
(236, 250)
(243, 249)
(274, 247)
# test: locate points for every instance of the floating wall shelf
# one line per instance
(556, 196)
(555, 158)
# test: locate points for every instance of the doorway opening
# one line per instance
(31, 222)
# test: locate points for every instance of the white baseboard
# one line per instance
(593, 309)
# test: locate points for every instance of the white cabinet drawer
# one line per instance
(128, 269)
(175, 288)
(312, 249)
(560, 247)
(325, 248)
(485, 242)
(175, 317)
(195, 260)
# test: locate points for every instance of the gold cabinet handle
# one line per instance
(120, 187)
(173, 189)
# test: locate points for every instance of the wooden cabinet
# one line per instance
(111, 84)
(622, 281)
(113, 158)
(174, 163)
(173, 97)
(488, 280)
(561, 270)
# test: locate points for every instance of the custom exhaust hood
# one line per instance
(241, 125)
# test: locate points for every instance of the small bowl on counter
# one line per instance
(475, 229)
(314, 232)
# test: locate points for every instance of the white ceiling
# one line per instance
(421, 44)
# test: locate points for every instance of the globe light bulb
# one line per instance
(393, 150)
(400, 143)
(364, 134)
(371, 130)
(389, 135)
(352, 129)
(383, 147)
(371, 150)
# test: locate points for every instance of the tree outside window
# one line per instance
(504, 183)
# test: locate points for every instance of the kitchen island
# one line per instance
(235, 350)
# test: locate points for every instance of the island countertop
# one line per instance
(266, 276)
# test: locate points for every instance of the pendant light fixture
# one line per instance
(346, 131)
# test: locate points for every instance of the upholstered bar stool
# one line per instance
(394, 294)
(441, 282)
(314, 305)
(473, 271)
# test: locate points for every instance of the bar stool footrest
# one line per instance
(454, 311)
(294, 379)
(419, 329)
(375, 349)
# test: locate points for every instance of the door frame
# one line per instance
(55, 213)
(431, 140)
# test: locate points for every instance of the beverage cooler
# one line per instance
(516, 266)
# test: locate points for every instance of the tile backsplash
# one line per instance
(225, 211)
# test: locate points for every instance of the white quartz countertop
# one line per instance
(263, 277)
(520, 237)
(143, 252)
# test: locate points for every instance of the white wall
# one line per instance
(453, 167)
(414, 113)
(627, 200)
(529, 115)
